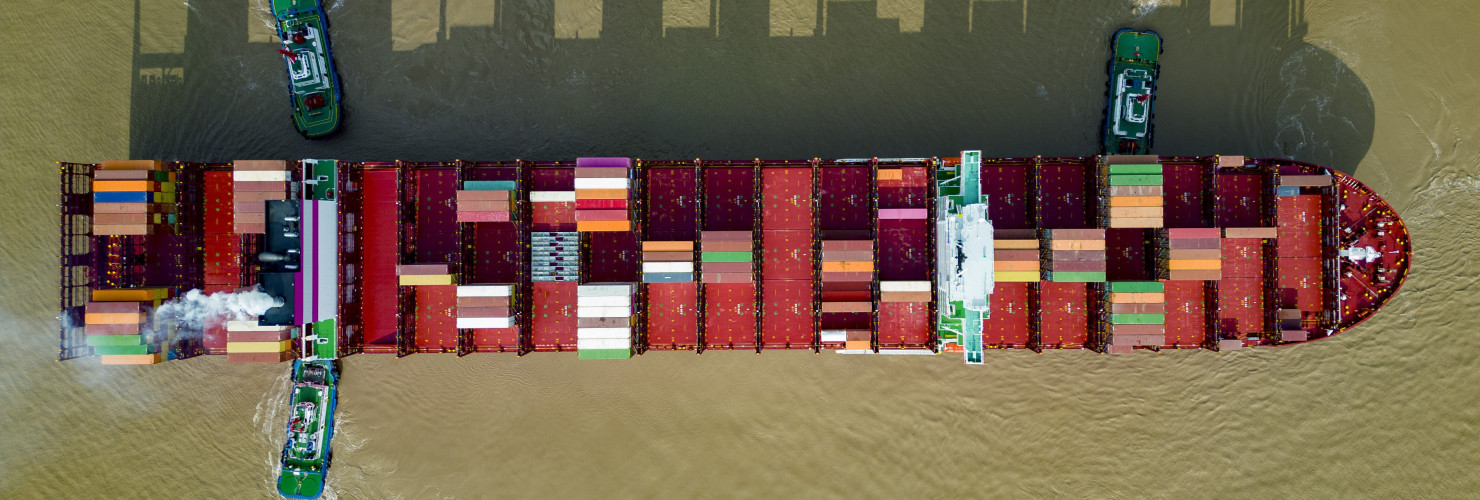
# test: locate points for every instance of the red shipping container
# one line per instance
(553, 213)
(904, 324)
(847, 296)
(787, 255)
(495, 339)
(672, 316)
(787, 310)
(787, 195)
(435, 327)
(601, 204)
(729, 319)
(838, 286)
(859, 276)
(553, 311)
(915, 177)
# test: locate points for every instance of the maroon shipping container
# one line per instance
(1015, 234)
(1016, 255)
(483, 312)
(470, 302)
(1138, 308)
(847, 296)
(1194, 244)
(846, 286)
(258, 336)
(846, 321)
(421, 269)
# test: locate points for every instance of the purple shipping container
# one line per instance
(604, 162)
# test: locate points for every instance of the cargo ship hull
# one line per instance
(520, 257)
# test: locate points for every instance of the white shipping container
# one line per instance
(603, 312)
(603, 333)
(834, 335)
(622, 301)
(259, 175)
(250, 326)
(603, 343)
(904, 286)
(912, 352)
(552, 196)
(604, 290)
(601, 183)
(668, 267)
(484, 290)
(485, 322)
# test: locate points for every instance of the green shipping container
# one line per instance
(490, 185)
(1138, 319)
(113, 340)
(1076, 277)
(1138, 287)
(604, 354)
(725, 256)
(123, 349)
(1135, 169)
(1135, 180)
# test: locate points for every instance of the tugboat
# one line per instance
(1133, 72)
(305, 460)
(313, 83)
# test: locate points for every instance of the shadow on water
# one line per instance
(751, 78)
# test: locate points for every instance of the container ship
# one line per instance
(610, 258)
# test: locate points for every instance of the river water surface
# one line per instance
(1386, 91)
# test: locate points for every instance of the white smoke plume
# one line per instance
(194, 309)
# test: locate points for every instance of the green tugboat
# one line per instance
(313, 83)
(1133, 72)
(305, 460)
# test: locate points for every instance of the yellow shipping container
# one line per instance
(238, 347)
(1184, 265)
(1015, 276)
(130, 294)
(1015, 244)
(425, 279)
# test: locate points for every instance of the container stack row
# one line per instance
(555, 256)
(604, 321)
(485, 306)
(1076, 255)
(222, 247)
(117, 325)
(727, 257)
(1015, 256)
(253, 183)
(847, 292)
(132, 198)
(1137, 315)
(249, 342)
(602, 184)
(424, 275)
(667, 262)
(485, 201)
(1135, 196)
(1194, 254)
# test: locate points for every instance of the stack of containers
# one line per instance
(1194, 254)
(727, 256)
(249, 342)
(424, 274)
(599, 183)
(604, 321)
(254, 182)
(484, 306)
(1015, 256)
(116, 321)
(847, 278)
(1137, 315)
(132, 197)
(555, 256)
(222, 248)
(485, 201)
(667, 262)
(1135, 196)
(1076, 255)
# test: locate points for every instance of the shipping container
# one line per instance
(844, 210)
(672, 205)
(436, 328)
(486, 324)
(1067, 195)
(729, 203)
(1064, 315)
(1007, 323)
(1186, 318)
(904, 249)
(788, 199)
(553, 322)
(729, 316)
(381, 220)
(1251, 232)
(1005, 188)
(602, 172)
(668, 256)
(278, 346)
(788, 316)
(904, 325)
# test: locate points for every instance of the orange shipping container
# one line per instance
(123, 186)
(1192, 254)
(601, 194)
(1132, 222)
(904, 297)
(667, 246)
(847, 307)
(134, 218)
(113, 318)
(1135, 201)
(1015, 244)
(1137, 298)
(131, 359)
(848, 267)
(603, 225)
(858, 345)
(129, 294)
(131, 165)
(1008, 265)
(1182, 265)
(891, 174)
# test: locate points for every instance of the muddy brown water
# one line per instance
(1381, 90)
